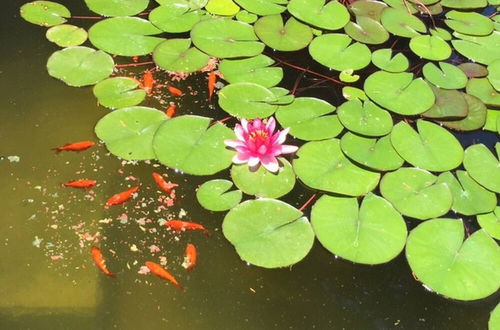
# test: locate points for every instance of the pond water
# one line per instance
(48, 279)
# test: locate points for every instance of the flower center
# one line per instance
(261, 139)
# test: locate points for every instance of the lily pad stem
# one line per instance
(307, 202)
(308, 71)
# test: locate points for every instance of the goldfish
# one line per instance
(174, 91)
(162, 273)
(100, 262)
(148, 82)
(82, 183)
(190, 258)
(164, 185)
(180, 225)
(212, 78)
(121, 197)
(170, 112)
(76, 146)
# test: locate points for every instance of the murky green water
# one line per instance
(222, 292)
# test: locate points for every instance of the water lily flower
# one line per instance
(257, 143)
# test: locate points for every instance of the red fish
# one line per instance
(121, 197)
(100, 262)
(164, 185)
(180, 225)
(174, 91)
(162, 273)
(212, 79)
(82, 183)
(170, 112)
(77, 146)
(190, 258)
(148, 82)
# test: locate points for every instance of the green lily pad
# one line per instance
(469, 23)
(223, 38)
(335, 51)
(400, 5)
(494, 74)
(44, 13)
(480, 49)
(492, 121)
(483, 167)
(126, 36)
(263, 7)
(317, 123)
(469, 198)
(190, 144)
(399, 93)
(483, 90)
(432, 148)
(246, 17)
(368, 8)
(365, 118)
(255, 70)
(222, 7)
(447, 76)
(377, 154)
(128, 132)
(66, 35)
(294, 35)
(442, 33)
(213, 195)
(367, 31)
(490, 222)
(283, 96)
(177, 55)
(450, 104)
(268, 233)
(322, 165)
(348, 76)
(442, 260)
(473, 70)
(175, 16)
(353, 93)
(383, 59)
(263, 183)
(476, 115)
(247, 100)
(117, 7)
(494, 321)
(329, 16)
(80, 66)
(119, 92)
(372, 234)
(464, 4)
(415, 193)
(430, 47)
(400, 23)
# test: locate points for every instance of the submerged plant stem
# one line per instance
(308, 71)
(134, 64)
(307, 202)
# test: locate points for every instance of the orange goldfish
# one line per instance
(180, 225)
(170, 112)
(190, 258)
(174, 91)
(82, 183)
(76, 146)
(121, 197)
(148, 82)
(100, 262)
(164, 185)
(162, 273)
(212, 79)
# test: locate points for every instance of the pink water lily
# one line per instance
(257, 143)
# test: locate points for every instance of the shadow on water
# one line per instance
(222, 292)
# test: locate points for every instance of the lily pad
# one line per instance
(348, 76)
(335, 51)
(400, 23)
(430, 47)
(447, 76)
(442, 260)
(263, 183)
(214, 196)
(372, 234)
(399, 93)
(464, 4)
(294, 35)
(283, 96)
(469, 23)
(473, 70)
(175, 16)
(377, 154)
(494, 321)
(247, 100)
(476, 115)
(126, 36)
(383, 59)
(190, 144)
(400, 5)
(442, 33)
(329, 16)
(222, 7)
(317, 123)
(224, 38)
(432, 148)
(119, 92)
(365, 118)
(117, 7)
(480, 49)
(44, 13)
(492, 123)
(268, 233)
(255, 69)
(483, 90)
(263, 7)
(490, 222)
(80, 66)
(66, 35)
(353, 93)
(368, 8)
(450, 104)
(483, 167)
(415, 193)
(322, 165)
(494, 74)
(367, 31)
(128, 132)
(177, 55)
(246, 17)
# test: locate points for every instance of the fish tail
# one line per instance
(113, 275)
(57, 150)
(180, 287)
(206, 232)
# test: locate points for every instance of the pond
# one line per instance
(49, 281)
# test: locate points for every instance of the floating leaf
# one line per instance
(483, 90)
(263, 7)
(128, 132)
(282, 95)
(383, 59)
(442, 33)
(372, 234)
(400, 5)
(490, 222)
(175, 16)
(289, 37)
(80, 66)
(464, 4)
(45, 13)
(222, 7)
(469, 23)
(119, 92)
(368, 8)
(247, 100)
(430, 47)
(191, 145)
(484, 50)
(66, 35)
(263, 183)
(494, 321)
(256, 70)
(492, 121)
(331, 16)
(214, 196)
(126, 36)
(476, 115)
(246, 17)
(268, 233)
(447, 76)
(322, 165)
(117, 7)
(365, 118)
(177, 55)
(400, 23)
(313, 124)
(442, 260)
(367, 31)
(473, 70)
(347, 76)
(450, 104)
(483, 167)
(353, 93)
(415, 193)
(494, 74)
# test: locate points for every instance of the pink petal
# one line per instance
(281, 136)
(234, 143)
(240, 158)
(271, 125)
(287, 149)
(244, 125)
(253, 161)
(257, 123)
(270, 163)
(240, 132)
